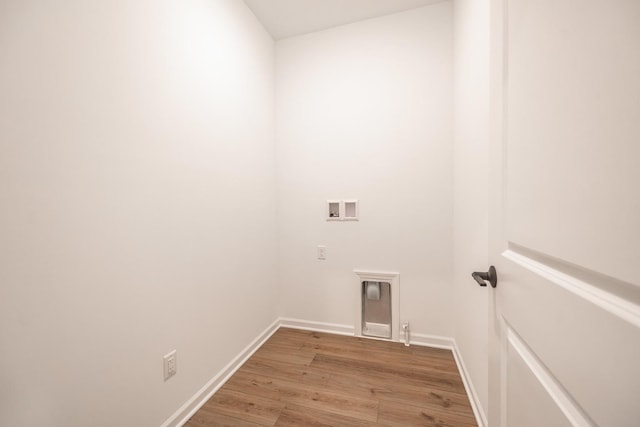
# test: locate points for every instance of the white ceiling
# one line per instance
(286, 18)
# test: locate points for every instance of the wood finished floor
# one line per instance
(302, 378)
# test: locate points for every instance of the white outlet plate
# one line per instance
(170, 365)
(322, 252)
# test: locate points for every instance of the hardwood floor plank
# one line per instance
(295, 416)
(402, 415)
(405, 392)
(387, 352)
(292, 335)
(441, 353)
(284, 353)
(205, 418)
(447, 381)
(307, 395)
(285, 370)
(244, 407)
(303, 378)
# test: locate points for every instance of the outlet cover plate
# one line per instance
(322, 252)
(170, 364)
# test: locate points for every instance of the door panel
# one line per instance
(529, 404)
(588, 348)
(565, 213)
(573, 105)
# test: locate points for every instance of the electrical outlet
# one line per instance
(170, 365)
(322, 252)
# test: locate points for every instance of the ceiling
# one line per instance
(286, 18)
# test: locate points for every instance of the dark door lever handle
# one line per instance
(490, 275)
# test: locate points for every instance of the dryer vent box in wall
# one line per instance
(376, 309)
(342, 210)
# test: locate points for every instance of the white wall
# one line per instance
(471, 145)
(365, 111)
(137, 212)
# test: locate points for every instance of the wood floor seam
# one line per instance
(305, 378)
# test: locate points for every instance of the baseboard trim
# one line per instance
(308, 325)
(191, 406)
(182, 415)
(481, 417)
(435, 341)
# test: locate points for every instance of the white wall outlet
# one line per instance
(322, 252)
(170, 365)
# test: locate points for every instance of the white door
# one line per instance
(565, 213)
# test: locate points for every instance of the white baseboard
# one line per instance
(481, 417)
(307, 325)
(191, 406)
(182, 415)
(435, 341)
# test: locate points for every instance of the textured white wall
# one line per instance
(365, 111)
(471, 162)
(137, 211)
